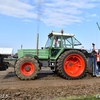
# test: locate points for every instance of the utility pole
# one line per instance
(37, 44)
(21, 46)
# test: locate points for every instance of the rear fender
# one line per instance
(83, 51)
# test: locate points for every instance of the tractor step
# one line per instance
(52, 68)
(52, 64)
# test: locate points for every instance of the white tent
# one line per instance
(6, 51)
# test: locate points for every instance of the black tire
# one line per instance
(19, 65)
(60, 64)
(3, 66)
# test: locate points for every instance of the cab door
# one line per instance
(55, 47)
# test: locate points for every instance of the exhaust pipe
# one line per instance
(37, 44)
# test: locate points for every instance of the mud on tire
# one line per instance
(72, 64)
(26, 68)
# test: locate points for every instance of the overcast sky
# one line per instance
(21, 20)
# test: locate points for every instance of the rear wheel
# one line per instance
(3, 66)
(27, 68)
(72, 64)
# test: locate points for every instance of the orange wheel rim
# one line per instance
(74, 65)
(27, 68)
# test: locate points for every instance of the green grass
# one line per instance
(93, 97)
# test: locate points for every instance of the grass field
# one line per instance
(93, 97)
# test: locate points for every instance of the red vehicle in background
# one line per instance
(98, 57)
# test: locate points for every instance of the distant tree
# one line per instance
(16, 55)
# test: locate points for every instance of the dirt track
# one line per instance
(46, 86)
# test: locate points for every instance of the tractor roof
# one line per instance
(60, 34)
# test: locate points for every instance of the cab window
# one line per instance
(67, 42)
(48, 42)
(57, 42)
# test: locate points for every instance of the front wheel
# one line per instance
(27, 68)
(72, 64)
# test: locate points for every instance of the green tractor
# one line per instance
(59, 54)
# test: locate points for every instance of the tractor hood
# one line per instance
(42, 53)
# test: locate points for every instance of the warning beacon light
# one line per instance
(62, 31)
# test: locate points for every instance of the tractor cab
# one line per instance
(57, 42)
